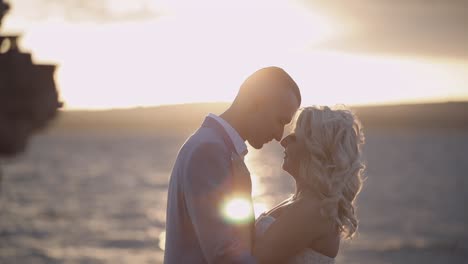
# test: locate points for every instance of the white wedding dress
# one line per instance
(307, 256)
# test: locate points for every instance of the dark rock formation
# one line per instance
(28, 95)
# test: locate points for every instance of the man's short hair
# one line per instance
(265, 77)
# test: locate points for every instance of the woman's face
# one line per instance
(293, 150)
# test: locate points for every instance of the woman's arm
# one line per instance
(294, 230)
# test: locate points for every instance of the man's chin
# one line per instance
(256, 145)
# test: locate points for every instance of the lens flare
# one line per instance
(237, 210)
(162, 240)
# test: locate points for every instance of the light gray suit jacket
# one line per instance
(196, 231)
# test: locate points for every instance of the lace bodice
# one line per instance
(307, 256)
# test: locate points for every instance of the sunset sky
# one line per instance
(126, 53)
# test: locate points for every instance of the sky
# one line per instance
(127, 53)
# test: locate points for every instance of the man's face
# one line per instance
(269, 120)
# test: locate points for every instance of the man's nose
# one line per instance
(279, 135)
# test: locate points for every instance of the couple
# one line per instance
(323, 155)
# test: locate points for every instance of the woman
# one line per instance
(323, 155)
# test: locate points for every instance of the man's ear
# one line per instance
(252, 105)
(257, 103)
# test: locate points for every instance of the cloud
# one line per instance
(86, 10)
(425, 28)
(431, 28)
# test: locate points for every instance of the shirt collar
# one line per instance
(236, 139)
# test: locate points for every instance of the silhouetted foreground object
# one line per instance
(28, 96)
(3, 10)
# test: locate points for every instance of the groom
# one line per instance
(201, 183)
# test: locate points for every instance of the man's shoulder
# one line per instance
(205, 159)
(204, 138)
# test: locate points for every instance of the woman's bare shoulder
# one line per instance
(325, 236)
(328, 245)
(306, 214)
(306, 207)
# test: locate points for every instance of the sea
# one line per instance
(100, 197)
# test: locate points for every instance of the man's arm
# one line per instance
(207, 186)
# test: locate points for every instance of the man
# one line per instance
(201, 183)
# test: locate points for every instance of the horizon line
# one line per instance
(372, 104)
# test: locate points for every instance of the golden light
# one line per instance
(256, 164)
(162, 240)
(141, 62)
(203, 44)
(237, 210)
(253, 162)
(259, 208)
(257, 187)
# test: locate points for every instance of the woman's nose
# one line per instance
(284, 142)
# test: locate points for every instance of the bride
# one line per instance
(323, 155)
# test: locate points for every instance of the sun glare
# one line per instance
(162, 240)
(202, 44)
(237, 210)
(201, 51)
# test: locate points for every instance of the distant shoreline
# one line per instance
(184, 118)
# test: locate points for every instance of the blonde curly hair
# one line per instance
(333, 167)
